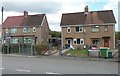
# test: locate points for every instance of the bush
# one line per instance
(41, 48)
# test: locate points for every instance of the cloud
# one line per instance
(113, 5)
(43, 7)
(52, 8)
(55, 19)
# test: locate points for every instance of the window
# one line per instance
(79, 29)
(106, 28)
(27, 40)
(68, 29)
(34, 29)
(13, 40)
(95, 28)
(13, 30)
(6, 30)
(95, 41)
(79, 41)
(26, 30)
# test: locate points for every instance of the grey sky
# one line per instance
(52, 8)
(43, 7)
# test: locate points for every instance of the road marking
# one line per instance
(51, 73)
(21, 70)
(2, 68)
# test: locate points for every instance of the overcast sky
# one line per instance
(54, 8)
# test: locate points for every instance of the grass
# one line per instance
(79, 53)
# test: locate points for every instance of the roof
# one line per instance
(93, 17)
(29, 20)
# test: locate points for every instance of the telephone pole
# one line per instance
(2, 14)
(2, 32)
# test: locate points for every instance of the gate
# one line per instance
(21, 49)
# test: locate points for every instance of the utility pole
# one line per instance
(1, 30)
(2, 14)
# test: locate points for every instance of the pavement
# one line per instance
(63, 51)
(64, 57)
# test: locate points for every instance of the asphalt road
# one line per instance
(44, 65)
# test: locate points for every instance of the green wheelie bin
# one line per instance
(109, 54)
(103, 52)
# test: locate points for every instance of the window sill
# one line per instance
(79, 32)
(78, 44)
(26, 32)
(68, 32)
(96, 32)
(13, 33)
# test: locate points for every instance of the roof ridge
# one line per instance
(16, 16)
(36, 14)
(84, 12)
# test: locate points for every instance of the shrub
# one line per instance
(41, 48)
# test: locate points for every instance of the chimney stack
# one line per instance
(86, 8)
(25, 13)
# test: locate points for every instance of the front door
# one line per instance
(106, 42)
(68, 41)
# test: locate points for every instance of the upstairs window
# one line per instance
(26, 30)
(34, 29)
(13, 30)
(79, 41)
(68, 29)
(95, 29)
(79, 29)
(106, 28)
(6, 30)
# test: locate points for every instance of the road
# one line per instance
(46, 65)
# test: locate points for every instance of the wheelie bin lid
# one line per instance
(105, 48)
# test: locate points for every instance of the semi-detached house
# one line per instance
(26, 29)
(88, 28)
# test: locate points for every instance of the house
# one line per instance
(0, 30)
(88, 28)
(26, 29)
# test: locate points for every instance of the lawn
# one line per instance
(76, 52)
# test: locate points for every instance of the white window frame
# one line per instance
(14, 40)
(25, 30)
(34, 29)
(29, 40)
(67, 41)
(68, 28)
(80, 27)
(81, 39)
(94, 28)
(6, 30)
(13, 30)
(106, 28)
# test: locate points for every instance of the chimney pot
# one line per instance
(86, 8)
(25, 13)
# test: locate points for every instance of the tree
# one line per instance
(55, 34)
(117, 35)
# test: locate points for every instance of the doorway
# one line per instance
(106, 42)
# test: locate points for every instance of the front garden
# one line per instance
(77, 52)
